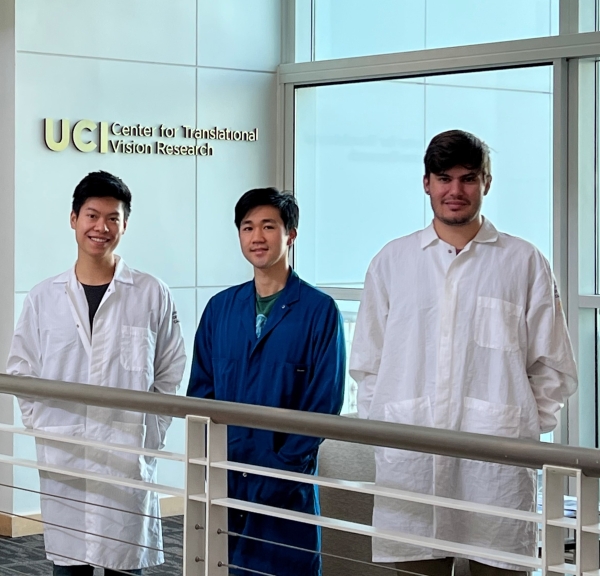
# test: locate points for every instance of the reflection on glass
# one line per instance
(359, 162)
(347, 28)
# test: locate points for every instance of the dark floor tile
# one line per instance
(26, 555)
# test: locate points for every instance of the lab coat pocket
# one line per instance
(126, 464)
(497, 324)
(62, 454)
(405, 468)
(137, 348)
(483, 417)
(295, 379)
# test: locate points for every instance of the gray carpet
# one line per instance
(26, 556)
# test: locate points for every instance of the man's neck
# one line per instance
(95, 272)
(457, 236)
(271, 280)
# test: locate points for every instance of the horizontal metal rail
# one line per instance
(372, 531)
(516, 452)
(80, 440)
(82, 474)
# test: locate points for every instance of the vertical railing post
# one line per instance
(216, 551)
(553, 518)
(194, 525)
(587, 557)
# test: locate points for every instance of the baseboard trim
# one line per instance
(16, 526)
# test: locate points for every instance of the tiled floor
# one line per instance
(26, 556)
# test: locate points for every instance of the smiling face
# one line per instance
(264, 239)
(457, 195)
(99, 227)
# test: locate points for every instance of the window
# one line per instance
(359, 162)
(347, 28)
(359, 166)
(360, 107)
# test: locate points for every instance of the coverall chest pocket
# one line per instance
(137, 348)
(497, 324)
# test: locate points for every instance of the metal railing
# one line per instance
(207, 501)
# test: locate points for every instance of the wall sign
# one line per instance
(118, 138)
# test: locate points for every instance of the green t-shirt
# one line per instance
(264, 305)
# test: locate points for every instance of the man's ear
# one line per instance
(488, 183)
(426, 184)
(73, 219)
(125, 225)
(292, 236)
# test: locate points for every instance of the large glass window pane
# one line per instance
(349, 310)
(588, 388)
(346, 28)
(359, 162)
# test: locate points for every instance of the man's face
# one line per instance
(457, 194)
(263, 238)
(99, 226)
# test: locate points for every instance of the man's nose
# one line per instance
(257, 235)
(101, 225)
(456, 186)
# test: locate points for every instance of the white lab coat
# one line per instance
(475, 342)
(137, 345)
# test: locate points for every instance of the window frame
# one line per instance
(569, 53)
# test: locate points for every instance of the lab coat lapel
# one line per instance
(122, 275)
(290, 294)
(247, 312)
(79, 309)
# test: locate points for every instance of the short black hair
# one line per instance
(101, 184)
(457, 148)
(283, 201)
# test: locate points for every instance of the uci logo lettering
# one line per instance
(83, 139)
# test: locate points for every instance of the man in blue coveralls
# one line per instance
(274, 341)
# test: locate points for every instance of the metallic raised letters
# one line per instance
(51, 143)
(78, 140)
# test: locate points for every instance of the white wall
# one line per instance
(200, 63)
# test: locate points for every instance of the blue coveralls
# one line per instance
(298, 363)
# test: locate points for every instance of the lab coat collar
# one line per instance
(487, 233)
(290, 293)
(122, 274)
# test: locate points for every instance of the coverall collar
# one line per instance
(289, 294)
(122, 273)
(487, 233)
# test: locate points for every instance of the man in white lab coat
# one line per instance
(105, 324)
(461, 328)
